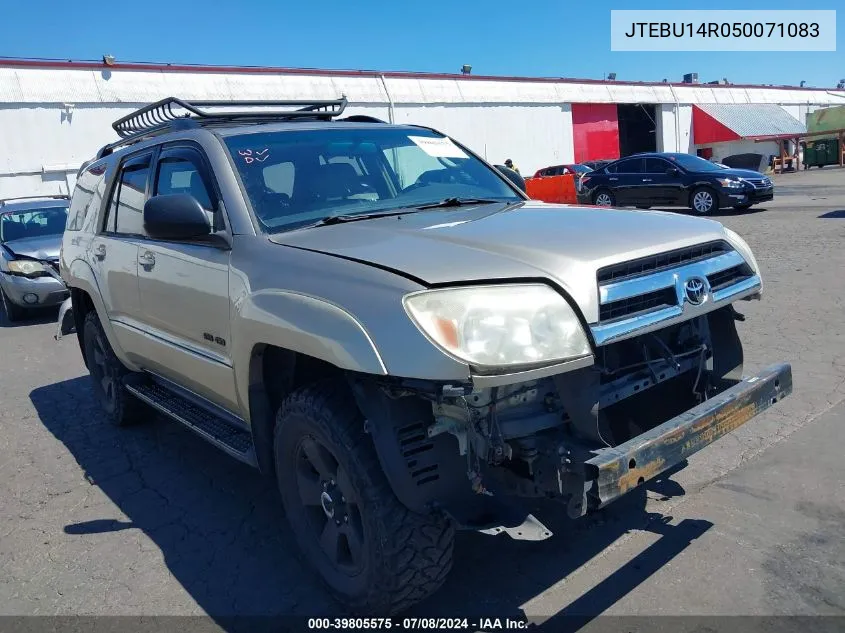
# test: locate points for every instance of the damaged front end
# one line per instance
(584, 437)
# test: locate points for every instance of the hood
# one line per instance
(41, 247)
(739, 173)
(566, 244)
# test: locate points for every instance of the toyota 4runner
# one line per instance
(378, 319)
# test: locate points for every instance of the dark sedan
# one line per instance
(673, 179)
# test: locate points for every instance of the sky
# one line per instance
(547, 39)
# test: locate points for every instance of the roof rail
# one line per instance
(173, 113)
(49, 196)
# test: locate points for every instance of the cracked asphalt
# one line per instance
(153, 521)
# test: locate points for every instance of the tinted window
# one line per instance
(180, 171)
(693, 163)
(656, 166)
(294, 178)
(630, 166)
(126, 211)
(182, 175)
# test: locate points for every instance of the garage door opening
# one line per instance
(637, 128)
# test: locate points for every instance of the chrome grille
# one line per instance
(637, 305)
(729, 277)
(759, 183)
(662, 261)
(652, 292)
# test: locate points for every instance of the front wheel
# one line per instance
(704, 201)
(374, 554)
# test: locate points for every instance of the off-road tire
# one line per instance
(120, 407)
(14, 312)
(407, 556)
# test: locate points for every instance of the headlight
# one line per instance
(730, 183)
(743, 248)
(499, 326)
(26, 267)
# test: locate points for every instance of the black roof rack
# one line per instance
(173, 113)
(162, 112)
(49, 196)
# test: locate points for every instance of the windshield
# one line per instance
(17, 225)
(295, 178)
(693, 163)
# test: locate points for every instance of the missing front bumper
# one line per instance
(618, 470)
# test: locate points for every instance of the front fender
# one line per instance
(304, 324)
(80, 275)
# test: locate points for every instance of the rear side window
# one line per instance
(656, 166)
(126, 209)
(87, 196)
(631, 166)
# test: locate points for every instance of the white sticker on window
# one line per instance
(438, 147)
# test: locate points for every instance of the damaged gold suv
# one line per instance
(377, 318)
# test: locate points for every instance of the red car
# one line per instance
(562, 170)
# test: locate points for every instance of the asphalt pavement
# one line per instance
(153, 521)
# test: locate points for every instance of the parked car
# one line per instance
(562, 170)
(674, 179)
(382, 322)
(30, 236)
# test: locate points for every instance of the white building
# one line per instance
(55, 115)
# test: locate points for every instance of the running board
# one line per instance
(216, 430)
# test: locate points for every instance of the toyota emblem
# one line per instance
(695, 290)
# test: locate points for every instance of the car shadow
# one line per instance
(721, 213)
(36, 316)
(221, 531)
(839, 213)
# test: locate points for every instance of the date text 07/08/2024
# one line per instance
(415, 624)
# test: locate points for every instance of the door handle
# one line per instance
(646, 179)
(613, 179)
(100, 253)
(147, 259)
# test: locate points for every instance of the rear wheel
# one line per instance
(604, 198)
(704, 201)
(374, 554)
(13, 311)
(107, 374)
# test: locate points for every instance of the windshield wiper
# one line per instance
(341, 219)
(457, 202)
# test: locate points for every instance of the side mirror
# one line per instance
(672, 171)
(177, 216)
